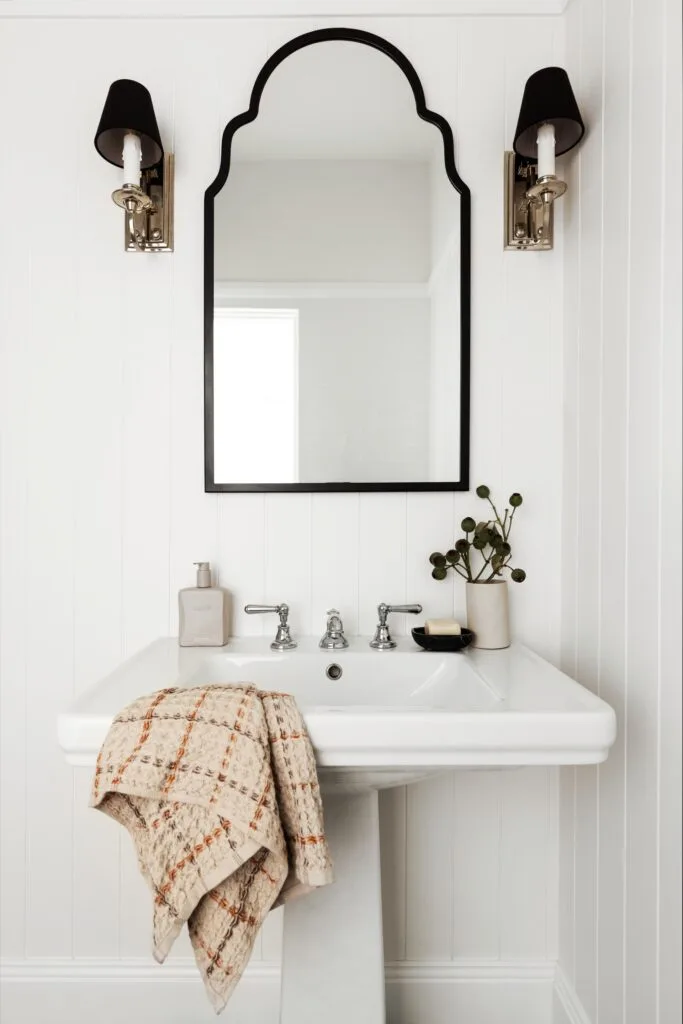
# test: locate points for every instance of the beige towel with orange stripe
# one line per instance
(218, 787)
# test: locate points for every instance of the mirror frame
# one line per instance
(352, 35)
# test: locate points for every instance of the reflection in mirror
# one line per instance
(336, 341)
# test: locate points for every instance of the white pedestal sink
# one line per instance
(388, 718)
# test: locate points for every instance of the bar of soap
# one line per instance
(442, 627)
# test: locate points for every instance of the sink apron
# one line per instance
(333, 956)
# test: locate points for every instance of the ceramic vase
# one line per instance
(488, 614)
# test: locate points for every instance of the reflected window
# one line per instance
(256, 385)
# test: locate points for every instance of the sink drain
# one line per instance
(333, 671)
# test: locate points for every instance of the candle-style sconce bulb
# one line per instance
(549, 124)
(128, 137)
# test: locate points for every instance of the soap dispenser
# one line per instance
(204, 612)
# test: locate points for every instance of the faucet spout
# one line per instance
(333, 638)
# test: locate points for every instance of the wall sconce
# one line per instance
(549, 124)
(128, 137)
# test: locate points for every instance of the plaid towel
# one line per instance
(217, 785)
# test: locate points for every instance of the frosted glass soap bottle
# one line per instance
(205, 612)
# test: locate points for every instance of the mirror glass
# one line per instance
(335, 349)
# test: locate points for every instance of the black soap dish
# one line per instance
(442, 642)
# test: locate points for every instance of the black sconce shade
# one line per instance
(548, 98)
(128, 108)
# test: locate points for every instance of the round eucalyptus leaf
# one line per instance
(516, 500)
(439, 572)
(468, 524)
(437, 559)
(453, 556)
(483, 491)
(518, 575)
(479, 541)
(462, 545)
(505, 548)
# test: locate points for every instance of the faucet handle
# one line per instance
(382, 640)
(283, 638)
(384, 609)
(259, 609)
(332, 614)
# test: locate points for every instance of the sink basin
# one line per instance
(355, 680)
(388, 717)
(376, 719)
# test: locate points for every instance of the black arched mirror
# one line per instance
(337, 280)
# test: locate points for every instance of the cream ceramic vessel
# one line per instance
(488, 614)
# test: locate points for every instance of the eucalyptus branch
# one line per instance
(496, 514)
(490, 539)
(487, 561)
(481, 571)
(499, 572)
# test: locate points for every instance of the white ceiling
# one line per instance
(337, 100)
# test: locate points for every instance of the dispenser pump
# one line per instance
(203, 574)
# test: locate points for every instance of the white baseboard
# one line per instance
(137, 991)
(567, 1007)
(470, 992)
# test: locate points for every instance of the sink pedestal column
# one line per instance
(333, 957)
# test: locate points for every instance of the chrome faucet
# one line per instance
(382, 640)
(283, 638)
(333, 638)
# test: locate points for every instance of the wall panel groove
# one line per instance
(626, 358)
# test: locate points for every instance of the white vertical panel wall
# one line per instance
(103, 509)
(620, 826)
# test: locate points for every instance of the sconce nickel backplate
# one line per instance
(528, 220)
(148, 225)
